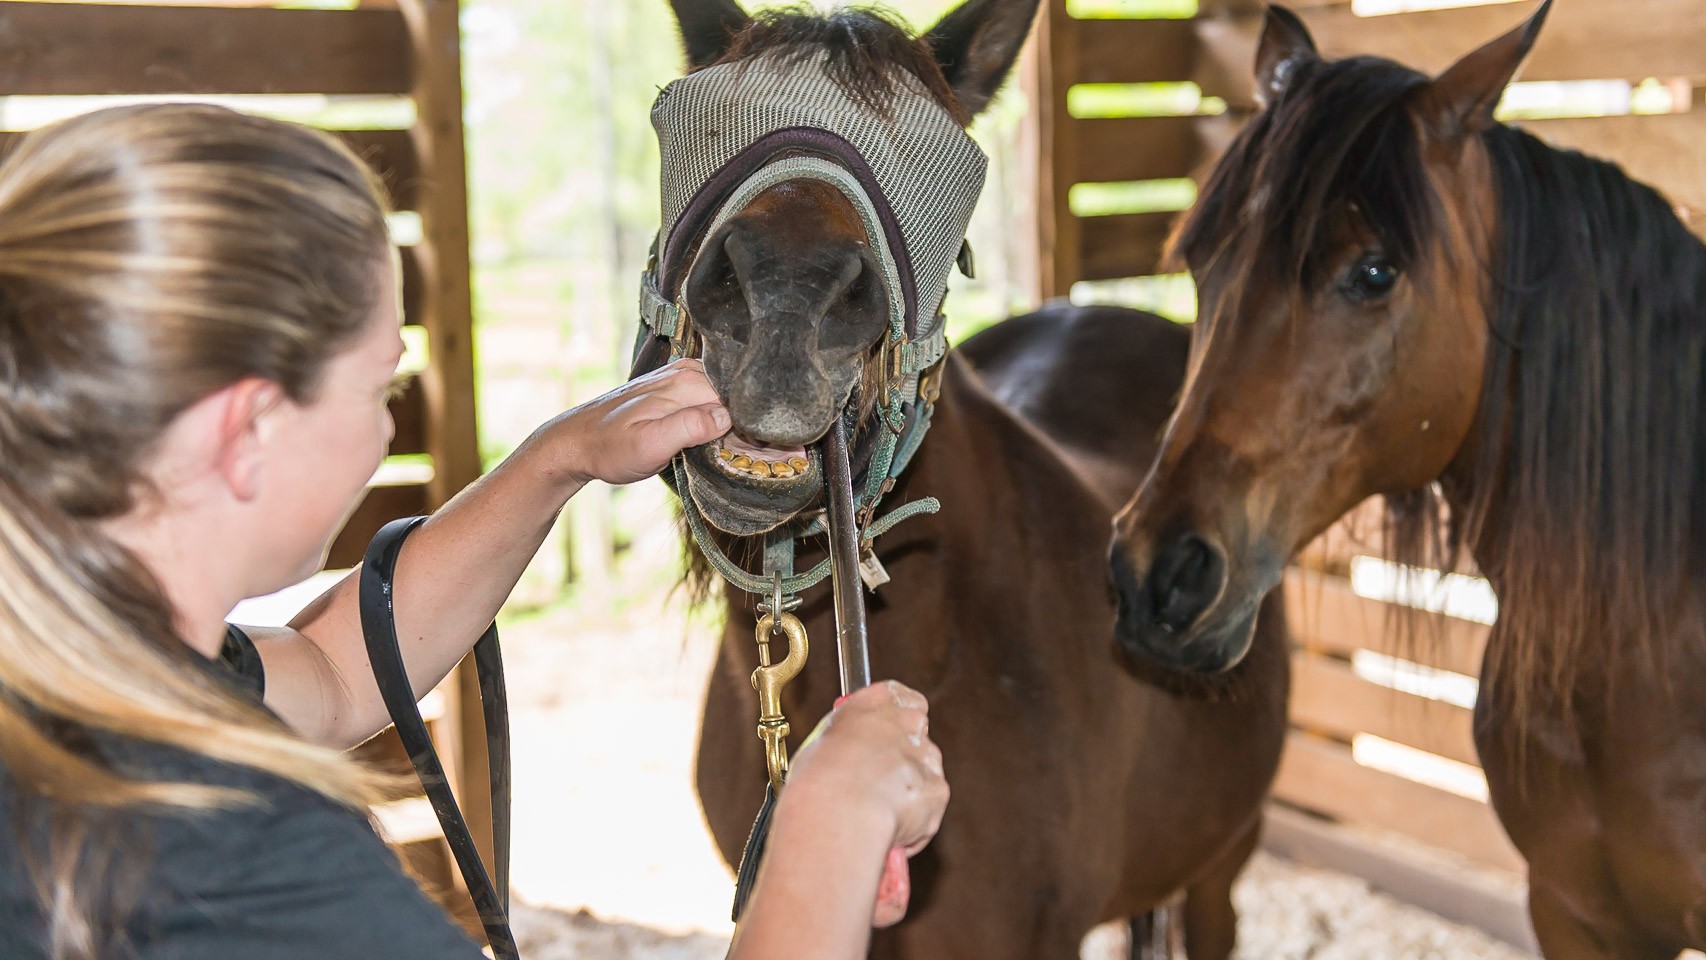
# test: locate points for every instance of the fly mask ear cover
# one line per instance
(912, 173)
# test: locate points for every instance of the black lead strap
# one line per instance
(379, 628)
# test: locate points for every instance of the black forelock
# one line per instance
(1338, 143)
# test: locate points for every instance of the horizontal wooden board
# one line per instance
(1666, 151)
(392, 155)
(389, 153)
(1629, 39)
(1128, 245)
(414, 286)
(1362, 533)
(1131, 51)
(409, 414)
(1328, 697)
(1320, 775)
(70, 48)
(1134, 148)
(1492, 900)
(1326, 616)
(380, 506)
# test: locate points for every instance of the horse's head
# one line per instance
(1341, 251)
(820, 182)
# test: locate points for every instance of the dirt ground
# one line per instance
(612, 858)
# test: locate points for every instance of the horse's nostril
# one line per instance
(1184, 581)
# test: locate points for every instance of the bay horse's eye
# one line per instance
(1371, 279)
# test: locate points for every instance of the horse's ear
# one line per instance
(708, 27)
(1461, 100)
(976, 45)
(1285, 46)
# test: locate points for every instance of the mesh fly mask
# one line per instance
(728, 132)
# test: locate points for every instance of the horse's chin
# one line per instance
(1204, 652)
(738, 499)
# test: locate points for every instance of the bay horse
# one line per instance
(1402, 296)
(1087, 787)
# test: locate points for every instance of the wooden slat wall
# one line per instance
(383, 48)
(1628, 40)
(1332, 704)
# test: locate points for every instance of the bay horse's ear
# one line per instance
(976, 45)
(708, 27)
(1461, 100)
(1285, 46)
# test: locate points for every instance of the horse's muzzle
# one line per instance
(1174, 617)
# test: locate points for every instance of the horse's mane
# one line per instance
(865, 47)
(1586, 501)
(1587, 507)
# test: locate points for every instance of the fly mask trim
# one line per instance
(921, 171)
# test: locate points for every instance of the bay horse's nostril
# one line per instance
(1185, 580)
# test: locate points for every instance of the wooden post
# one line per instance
(452, 438)
(1056, 64)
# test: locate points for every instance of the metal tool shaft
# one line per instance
(851, 639)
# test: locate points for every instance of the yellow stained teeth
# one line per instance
(763, 469)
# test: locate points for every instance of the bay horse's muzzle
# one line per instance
(1168, 615)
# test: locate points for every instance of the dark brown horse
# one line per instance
(1402, 296)
(1086, 788)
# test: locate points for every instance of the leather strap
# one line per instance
(379, 628)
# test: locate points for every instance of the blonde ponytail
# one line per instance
(148, 257)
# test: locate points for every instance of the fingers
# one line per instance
(692, 426)
(684, 381)
(888, 692)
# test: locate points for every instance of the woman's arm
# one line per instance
(461, 565)
(871, 780)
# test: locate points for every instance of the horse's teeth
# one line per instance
(799, 464)
(761, 468)
(781, 471)
(741, 462)
(726, 454)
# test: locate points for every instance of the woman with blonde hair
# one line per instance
(198, 333)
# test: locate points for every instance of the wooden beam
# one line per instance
(1135, 148)
(1630, 39)
(1132, 51)
(70, 48)
(1488, 899)
(1060, 263)
(1326, 616)
(409, 414)
(1320, 775)
(1328, 697)
(447, 311)
(1664, 151)
(1127, 245)
(415, 292)
(391, 154)
(380, 506)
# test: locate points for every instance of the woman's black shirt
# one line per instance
(295, 877)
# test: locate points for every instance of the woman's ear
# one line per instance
(249, 411)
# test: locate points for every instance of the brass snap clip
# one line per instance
(769, 679)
